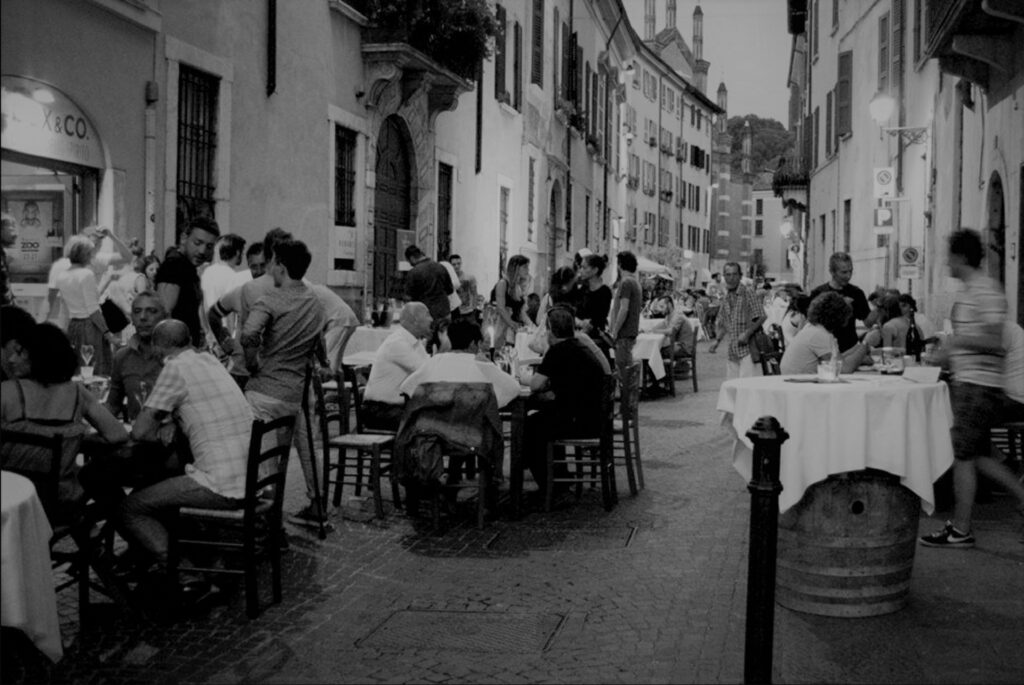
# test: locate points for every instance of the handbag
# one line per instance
(114, 316)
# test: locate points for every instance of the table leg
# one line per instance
(517, 409)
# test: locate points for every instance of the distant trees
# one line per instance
(769, 141)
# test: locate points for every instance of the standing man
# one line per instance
(840, 265)
(255, 261)
(625, 314)
(177, 280)
(976, 359)
(222, 276)
(428, 282)
(739, 315)
(398, 356)
(8, 238)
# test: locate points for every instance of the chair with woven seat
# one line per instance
(252, 531)
(367, 465)
(626, 429)
(591, 457)
(680, 356)
(1008, 438)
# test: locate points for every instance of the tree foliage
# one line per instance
(769, 141)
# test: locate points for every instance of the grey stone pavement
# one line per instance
(654, 591)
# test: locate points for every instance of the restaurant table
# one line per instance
(648, 348)
(866, 421)
(29, 602)
(367, 339)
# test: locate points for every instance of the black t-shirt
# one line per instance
(594, 305)
(847, 337)
(178, 270)
(577, 382)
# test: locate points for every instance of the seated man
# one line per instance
(136, 363)
(213, 414)
(399, 355)
(462, 365)
(568, 385)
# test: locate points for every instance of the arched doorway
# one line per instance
(391, 206)
(996, 237)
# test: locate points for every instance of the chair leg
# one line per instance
(693, 370)
(275, 563)
(483, 483)
(359, 474)
(627, 450)
(636, 452)
(606, 479)
(549, 485)
(326, 486)
(339, 484)
(378, 501)
(252, 597)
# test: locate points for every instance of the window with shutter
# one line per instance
(567, 53)
(843, 92)
(816, 133)
(517, 67)
(828, 124)
(537, 52)
(556, 54)
(595, 124)
(883, 53)
(577, 93)
(897, 45)
(500, 90)
(814, 29)
(586, 96)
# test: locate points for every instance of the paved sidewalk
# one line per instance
(654, 591)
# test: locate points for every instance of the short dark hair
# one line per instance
(596, 261)
(254, 249)
(231, 246)
(561, 322)
(15, 324)
(463, 333)
(967, 243)
(838, 258)
(294, 256)
(799, 304)
(626, 261)
(412, 252)
(735, 264)
(203, 223)
(273, 237)
(830, 311)
(889, 306)
(908, 299)
(50, 354)
(454, 256)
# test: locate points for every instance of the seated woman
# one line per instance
(892, 322)
(795, 317)
(827, 314)
(47, 402)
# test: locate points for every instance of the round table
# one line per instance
(29, 602)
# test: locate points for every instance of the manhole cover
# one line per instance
(561, 539)
(668, 423)
(471, 631)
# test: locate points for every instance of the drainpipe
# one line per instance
(568, 136)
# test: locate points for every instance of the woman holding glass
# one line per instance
(87, 329)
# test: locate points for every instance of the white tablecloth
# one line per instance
(366, 339)
(871, 421)
(648, 348)
(29, 602)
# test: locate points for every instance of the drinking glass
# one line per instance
(87, 351)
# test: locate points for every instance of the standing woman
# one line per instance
(80, 293)
(595, 300)
(509, 295)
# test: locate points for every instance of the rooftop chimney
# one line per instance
(700, 68)
(723, 102)
(747, 137)
(670, 14)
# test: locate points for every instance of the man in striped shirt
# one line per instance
(976, 359)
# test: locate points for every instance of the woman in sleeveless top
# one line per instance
(509, 296)
(80, 292)
(48, 403)
(595, 300)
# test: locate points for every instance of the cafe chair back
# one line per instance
(626, 428)
(246, 535)
(591, 458)
(680, 356)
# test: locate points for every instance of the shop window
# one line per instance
(197, 144)
(344, 176)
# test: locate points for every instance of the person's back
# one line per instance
(577, 383)
(428, 282)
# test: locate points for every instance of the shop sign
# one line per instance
(345, 241)
(39, 120)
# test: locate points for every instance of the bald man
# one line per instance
(399, 355)
(213, 415)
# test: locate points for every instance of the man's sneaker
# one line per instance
(948, 537)
(310, 516)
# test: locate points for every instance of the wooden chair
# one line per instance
(588, 455)
(690, 358)
(75, 532)
(252, 531)
(1009, 439)
(626, 428)
(367, 464)
(771, 360)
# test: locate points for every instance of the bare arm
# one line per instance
(148, 423)
(109, 428)
(500, 292)
(168, 294)
(621, 312)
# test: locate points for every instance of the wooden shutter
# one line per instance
(883, 53)
(499, 53)
(537, 52)
(517, 67)
(567, 53)
(844, 92)
(898, 23)
(828, 123)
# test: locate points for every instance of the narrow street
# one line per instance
(654, 591)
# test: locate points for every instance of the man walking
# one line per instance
(840, 265)
(625, 314)
(976, 359)
(739, 316)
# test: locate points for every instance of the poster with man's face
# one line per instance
(39, 217)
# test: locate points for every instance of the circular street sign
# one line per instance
(910, 255)
(884, 177)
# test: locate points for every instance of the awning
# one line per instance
(646, 266)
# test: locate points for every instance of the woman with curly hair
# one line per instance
(826, 316)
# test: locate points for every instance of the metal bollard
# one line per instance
(767, 436)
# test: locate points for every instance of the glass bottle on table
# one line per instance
(87, 351)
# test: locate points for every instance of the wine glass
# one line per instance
(87, 351)
(142, 393)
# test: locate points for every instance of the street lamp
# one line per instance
(882, 107)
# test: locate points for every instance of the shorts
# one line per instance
(976, 409)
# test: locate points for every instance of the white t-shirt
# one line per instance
(217, 280)
(78, 287)
(812, 344)
(397, 358)
(1013, 362)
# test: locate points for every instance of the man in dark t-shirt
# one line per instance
(567, 387)
(428, 282)
(840, 265)
(177, 279)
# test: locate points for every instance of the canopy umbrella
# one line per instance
(646, 266)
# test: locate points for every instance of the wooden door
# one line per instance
(391, 206)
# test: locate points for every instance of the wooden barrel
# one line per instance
(847, 547)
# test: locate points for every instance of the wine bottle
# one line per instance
(914, 343)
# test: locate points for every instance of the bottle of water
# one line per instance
(836, 361)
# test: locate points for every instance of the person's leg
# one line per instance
(144, 513)
(732, 370)
(965, 486)
(747, 368)
(997, 471)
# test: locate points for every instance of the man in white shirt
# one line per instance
(221, 277)
(400, 354)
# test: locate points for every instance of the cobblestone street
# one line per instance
(653, 591)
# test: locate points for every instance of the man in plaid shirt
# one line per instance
(739, 316)
(195, 392)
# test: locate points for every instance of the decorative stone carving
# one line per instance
(399, 64)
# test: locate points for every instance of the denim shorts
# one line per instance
(976, 409)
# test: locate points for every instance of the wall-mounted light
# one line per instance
(882, 107)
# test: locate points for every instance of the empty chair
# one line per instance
(253, 531)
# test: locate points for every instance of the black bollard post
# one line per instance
(767, 436)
